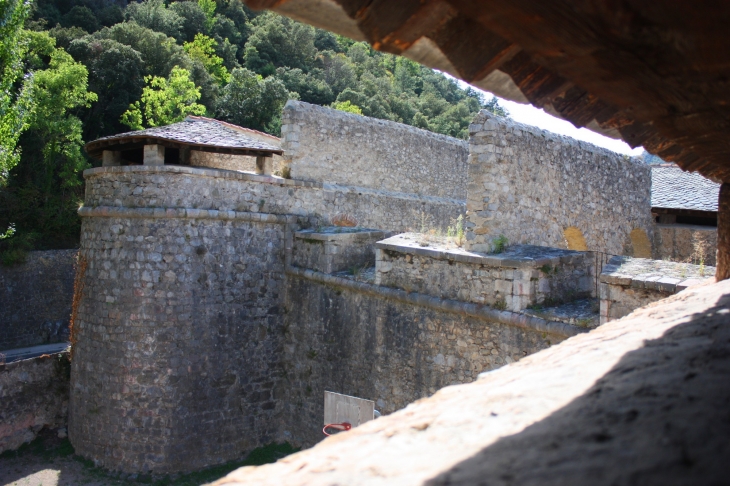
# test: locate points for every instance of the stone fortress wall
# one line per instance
(531, 186)
(344, 149)
(35, 301)
(195, 314)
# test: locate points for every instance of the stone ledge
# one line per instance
(660, 275)
(344, 234)
(198, 171)
(190, 213)
(519, 256)
(445, 305)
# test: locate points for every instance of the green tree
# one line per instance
(347, 106)
(251, 101)
(164, 101)
(203, 49)
(278, 41)
(194, 19)
(155, 15)
(81, 17)
(16, 105)
(208, 8)
(116, 75)
(45, 188)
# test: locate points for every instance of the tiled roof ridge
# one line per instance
(231, 125)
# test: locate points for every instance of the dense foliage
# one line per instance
(99, 67)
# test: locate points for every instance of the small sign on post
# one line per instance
(340, 409)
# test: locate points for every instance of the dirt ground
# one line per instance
(50, 461)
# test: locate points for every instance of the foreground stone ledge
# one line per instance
(642, 399)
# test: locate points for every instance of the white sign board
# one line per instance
(342, 408)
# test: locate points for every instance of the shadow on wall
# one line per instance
(660, 416)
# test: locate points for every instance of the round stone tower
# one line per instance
(177, 318)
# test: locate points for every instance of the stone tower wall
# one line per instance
(177, 337)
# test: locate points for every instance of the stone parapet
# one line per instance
(174, 187)
(685, 243)
(334, 249)
(629, 283)
(519, 277)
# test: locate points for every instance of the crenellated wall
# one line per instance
(531, 186)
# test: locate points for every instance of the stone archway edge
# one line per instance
(479, 311)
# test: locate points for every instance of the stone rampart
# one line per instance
(33, 395)
(531, 186)
(35, 301)
(390, 346)
(515, 279)
(221, 190)
(331, 146)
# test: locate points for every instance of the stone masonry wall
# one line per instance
(331, 146)
(35, 301)
(520, 277)
(33, 395)
(211, 189)
(531, 185)
(341, 339)
(232, 162)
(178, 337)
(682, 243)
(627, 284)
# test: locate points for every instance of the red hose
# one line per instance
(342, 426)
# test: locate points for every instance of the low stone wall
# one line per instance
(165, 187)
(233, 162)
(33, 395)
(389, 346)
(685, 243)
(515, 279)
(35, 301)
(334, 249)
(531, 186)
(331, 146)
(627, 284)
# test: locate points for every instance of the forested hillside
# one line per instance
(90, 68)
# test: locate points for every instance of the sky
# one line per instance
(530, 115)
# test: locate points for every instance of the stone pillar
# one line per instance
(723, 233)
(154, 155)
(111, 158)
(261, 165)
(184, 156)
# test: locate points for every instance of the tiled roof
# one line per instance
(673, 188)
(203, 133)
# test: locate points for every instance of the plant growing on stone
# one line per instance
(499, 244)
(455, 232)
(500, 304)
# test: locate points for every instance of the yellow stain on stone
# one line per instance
(641, 244)
(574, 239)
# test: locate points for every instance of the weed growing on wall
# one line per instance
(499, 244)
(455, 232)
